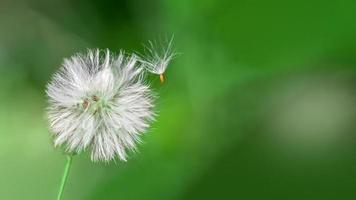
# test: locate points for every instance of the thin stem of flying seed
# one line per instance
(65, 176)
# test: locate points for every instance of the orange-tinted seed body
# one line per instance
(161, 77)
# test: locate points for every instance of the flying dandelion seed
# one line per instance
(100, 102)
(158, 58)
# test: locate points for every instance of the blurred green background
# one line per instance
(260, 104)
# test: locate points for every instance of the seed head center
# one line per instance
(93, 104)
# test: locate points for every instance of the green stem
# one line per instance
(65, 176)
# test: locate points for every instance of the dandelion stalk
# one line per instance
(65, 176)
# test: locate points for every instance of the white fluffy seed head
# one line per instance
(158, 57)
(98, 101)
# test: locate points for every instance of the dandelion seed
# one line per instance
(158, 57)
(100, 102)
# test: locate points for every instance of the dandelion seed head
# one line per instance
(100, 102)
